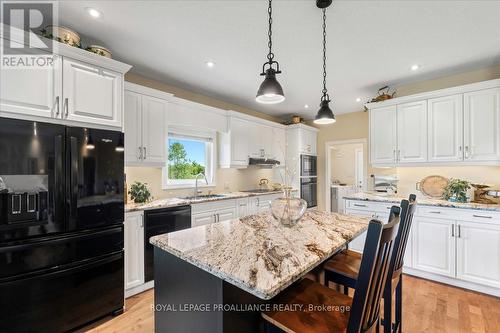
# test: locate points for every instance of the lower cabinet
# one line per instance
(434, 245)
(134, 249)
(212, 212)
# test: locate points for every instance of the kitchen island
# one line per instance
(210, 278)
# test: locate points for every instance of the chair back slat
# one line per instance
(373, 272)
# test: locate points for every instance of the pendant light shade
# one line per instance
(325, 114)
(270, 90)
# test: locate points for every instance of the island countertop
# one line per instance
(258, 254)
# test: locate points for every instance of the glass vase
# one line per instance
(287, 209)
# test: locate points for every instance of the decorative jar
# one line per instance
(287, 209)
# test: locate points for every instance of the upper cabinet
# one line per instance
(482, 125)
(79, 88)
(301, 140)
(250, 137)
(145, 126)
(460, 124)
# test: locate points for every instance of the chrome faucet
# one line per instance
(196, 191)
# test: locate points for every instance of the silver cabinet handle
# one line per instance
(258, 202)
(435, 212)
(358, 205)
(467, 152)
(218, 218)
(145, 151)
(140, 153)
(452, 230)
(394, 155)
(459, 231)
(66, 107)
(483, 216)
(57, 106)
(460, 154)
(398, 158)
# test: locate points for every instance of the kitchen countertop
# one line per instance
(172, 202)
(367, 196)
(258, 254)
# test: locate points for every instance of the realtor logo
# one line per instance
(30, 17)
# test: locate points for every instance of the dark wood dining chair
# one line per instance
(344, 268)
(325, 310)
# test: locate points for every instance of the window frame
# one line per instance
(189, 133)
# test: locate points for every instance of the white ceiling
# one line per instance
(370, 44)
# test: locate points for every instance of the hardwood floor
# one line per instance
(427, 307)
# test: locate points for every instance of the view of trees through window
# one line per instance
(186, 158)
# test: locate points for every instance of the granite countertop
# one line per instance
(258, 254)
(367, 196)
(172, 202)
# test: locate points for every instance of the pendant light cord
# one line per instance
(325, 91)
(270, 55)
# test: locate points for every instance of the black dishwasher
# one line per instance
(162, 221)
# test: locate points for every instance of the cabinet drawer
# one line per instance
(380, 207)
(473, 215)
(212, 206)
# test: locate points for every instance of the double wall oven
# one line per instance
(309, 179)
(61, 225)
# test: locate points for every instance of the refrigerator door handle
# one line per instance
(73, 176)
(58, 176)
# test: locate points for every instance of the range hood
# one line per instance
(262, 162)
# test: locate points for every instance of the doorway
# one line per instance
(346, 170)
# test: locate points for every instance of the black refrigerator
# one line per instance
(61, 226)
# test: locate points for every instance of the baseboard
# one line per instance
(139, 289)
(453, 282)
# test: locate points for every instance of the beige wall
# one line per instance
(226, 179)
(355, 126)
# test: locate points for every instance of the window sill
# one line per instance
(187, 186)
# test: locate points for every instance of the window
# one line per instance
(189, 154)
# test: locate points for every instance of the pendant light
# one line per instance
(325, 114)
(270, 91)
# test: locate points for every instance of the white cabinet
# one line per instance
(478, 253)
(134, 249)
(226, 214)
(79, 89)
(383, 135)
(212, 212)
(145, 129)
(445, 128)
(482, 125)
(202, 219)
(35, 92)
(412, 132)
(434, 245)
(91, 94)
(278, 145)
(302, 139)
(242, 207)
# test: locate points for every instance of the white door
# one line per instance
(383, 135)
(482, 125)
(133, 128)
(154, 135)
(445, 119)
(134, 250)
(32, 91)
(202, 219)
(412, 132)
(434, 245)
(226, 214)
(359, 162)
(239, 141)
(91, 94)
(478, 253)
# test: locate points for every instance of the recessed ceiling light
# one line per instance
(358, 99)
(306, 106)
(210, 64)
(414, 67)
(93, 12)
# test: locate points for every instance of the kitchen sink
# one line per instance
(205, 196)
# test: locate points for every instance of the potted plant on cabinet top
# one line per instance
(456, 190)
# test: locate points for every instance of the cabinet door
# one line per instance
(358, 243)
(92, 94)
(279, 145)
(310, 140)
(266, 140)
(34, 92)
(133, 128)
(253, 205)
(408, 257)
(242, 207)
(445, 119)
(412, 132)
(383, 135)
(256, 134)
(482, 125)
(239, 141)
(134, 250)
(226, 214)
(154, 130)
(202, 219)
(434, 245)
(478, 253)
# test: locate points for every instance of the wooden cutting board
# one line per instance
(433, 186)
